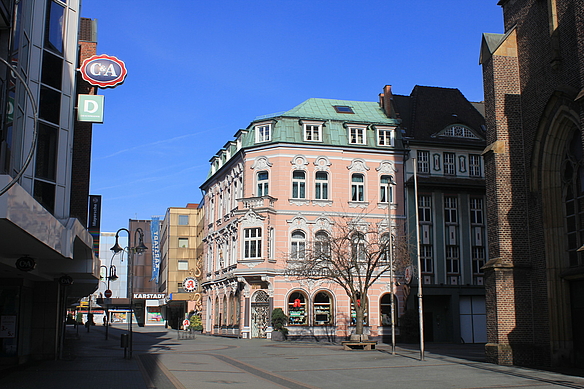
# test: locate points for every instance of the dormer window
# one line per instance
(385, 136)
(459, 131)
(357, 135)
(312, 131)
(263, 132)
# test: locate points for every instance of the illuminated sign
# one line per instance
(103, 70)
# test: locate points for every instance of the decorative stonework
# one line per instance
(261, 163)
(358, 166)
(322, 163)
(299, 162)
(386, 167)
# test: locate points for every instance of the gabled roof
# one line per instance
(429, 110)
(324, 109)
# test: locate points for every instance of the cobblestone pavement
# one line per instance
(167, 359)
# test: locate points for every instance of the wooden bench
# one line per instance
(359, 345)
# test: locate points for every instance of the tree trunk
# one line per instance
(359, 314)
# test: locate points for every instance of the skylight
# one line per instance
(343, 109)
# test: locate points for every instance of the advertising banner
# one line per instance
(155, 230)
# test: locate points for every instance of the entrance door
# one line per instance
(260, 314)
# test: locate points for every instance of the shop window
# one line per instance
(297, 309)
(354, 313)
(385, 309)
(323, 309)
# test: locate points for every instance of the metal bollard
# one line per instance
(125, 342)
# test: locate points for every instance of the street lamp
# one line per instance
(139, 249)
(110, 274)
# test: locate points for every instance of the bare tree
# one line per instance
(354, 254)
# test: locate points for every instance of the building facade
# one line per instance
(181, 253)
(445, 135)
(283, 181)
(46, 257)
(533, 79)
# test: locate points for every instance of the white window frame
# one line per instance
(181, 243)
(180, 264)
(474, 165)
(449, 163)
(357, 188)
(451, 210)
(263, 132)
(321, 187)
(252, 241)
(386, 189)
(357, 134)
(262, 185)
(423, 161)
(297, 245)
(299, 186)
(312, 131)
(385, 136)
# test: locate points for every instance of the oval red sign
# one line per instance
(107, 293)
(103, 70)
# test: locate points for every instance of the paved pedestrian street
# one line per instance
(166, 359)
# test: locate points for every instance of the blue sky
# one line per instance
(200, 70)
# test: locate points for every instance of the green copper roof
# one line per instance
(324, 109)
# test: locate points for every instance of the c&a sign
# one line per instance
(103, 70)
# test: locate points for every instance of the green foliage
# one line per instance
(196, 323)
(279, 320)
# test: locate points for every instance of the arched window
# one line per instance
(357, 187)
(262, 180)
(224, 318)
(385, 309)
(299, 184)
(321, 186)
(573, 188)
(386, 189)
(323, 309)
(297, 245)
(322, 248)
(217, 314)
(297, 309)
(358, 249)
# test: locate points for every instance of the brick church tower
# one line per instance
(534, 102)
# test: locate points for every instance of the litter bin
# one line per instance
(124, 340)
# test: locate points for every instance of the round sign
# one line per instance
(190, 284)
(107, 293)
(408, 274)
(186, 323)
(103, 70)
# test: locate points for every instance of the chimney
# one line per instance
(386, 101)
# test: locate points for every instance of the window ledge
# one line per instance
(322, 203)
(299, 202)
(358, 204)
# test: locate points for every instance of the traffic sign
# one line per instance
(107, 293)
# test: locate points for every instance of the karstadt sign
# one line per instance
(103, 70)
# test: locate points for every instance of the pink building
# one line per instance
(281, 182)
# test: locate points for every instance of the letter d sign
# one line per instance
(90, 108)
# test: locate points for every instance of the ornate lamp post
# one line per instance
(110, 274)
(139, 249)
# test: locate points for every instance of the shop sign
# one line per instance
(90, 108)
(190, 284)
(149, 296)
(103, 70)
